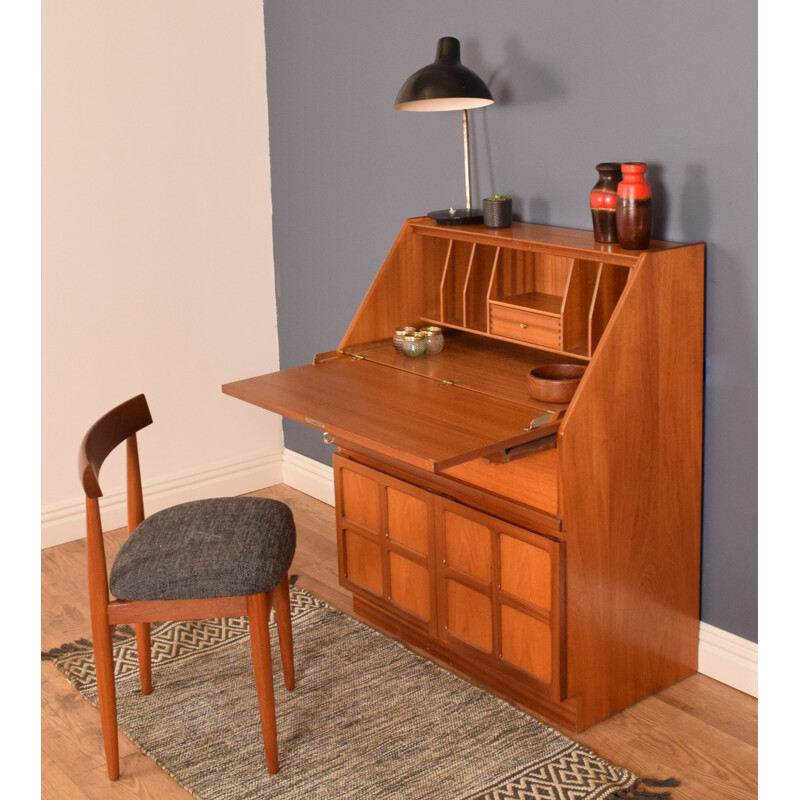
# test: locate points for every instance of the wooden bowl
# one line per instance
(555, 383)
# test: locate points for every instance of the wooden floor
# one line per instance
(699, 731)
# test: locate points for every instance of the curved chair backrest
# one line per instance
(105, 435)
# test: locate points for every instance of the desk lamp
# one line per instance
(447, 85)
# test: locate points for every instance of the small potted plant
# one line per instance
(497, 211)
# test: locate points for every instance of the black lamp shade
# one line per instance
(445, 85)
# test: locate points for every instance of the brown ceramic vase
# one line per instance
(603, 202)
(634, 208)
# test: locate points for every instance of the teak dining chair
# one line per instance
(225, 557)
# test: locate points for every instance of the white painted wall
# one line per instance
(157, 272)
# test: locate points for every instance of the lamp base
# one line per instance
(457, 216)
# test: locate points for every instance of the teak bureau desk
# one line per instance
(551, 553)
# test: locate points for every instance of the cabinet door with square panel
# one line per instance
(386, 541)
(500, 594)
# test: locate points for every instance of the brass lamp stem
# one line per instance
(465, 129)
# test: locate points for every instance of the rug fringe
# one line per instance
(120, 633)
(639, 790)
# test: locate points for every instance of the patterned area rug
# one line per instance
(368, 719)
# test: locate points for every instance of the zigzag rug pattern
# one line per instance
(368, 719)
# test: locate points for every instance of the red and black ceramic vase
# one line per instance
(634, 207)
(603, 202)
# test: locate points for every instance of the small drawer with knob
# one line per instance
(533, 327)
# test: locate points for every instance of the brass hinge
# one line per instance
(320, 357)
(550, 416)
(331, 354)
(447, 383)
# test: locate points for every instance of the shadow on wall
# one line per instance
(655, 177)
(533, 83)
(693, 207)
(695, 211)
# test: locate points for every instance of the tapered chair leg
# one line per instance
(258, 613)
(143, 649)
(107, 696)
(283, 616)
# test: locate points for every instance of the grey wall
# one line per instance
(576, 82)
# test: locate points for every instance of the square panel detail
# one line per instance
(362, 562)
(361, 500)
(407, 520)
(467, 546)
(409, 586)
(469, 615)
(525, 571)
(526, 642)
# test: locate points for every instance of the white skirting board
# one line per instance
(728, 658)
(722, 656)
(308, 476)
(67, 521)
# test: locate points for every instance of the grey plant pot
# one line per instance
(497, 213)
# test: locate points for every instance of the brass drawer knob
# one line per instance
(523, 325)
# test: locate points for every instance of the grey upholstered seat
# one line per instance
(223, 547)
